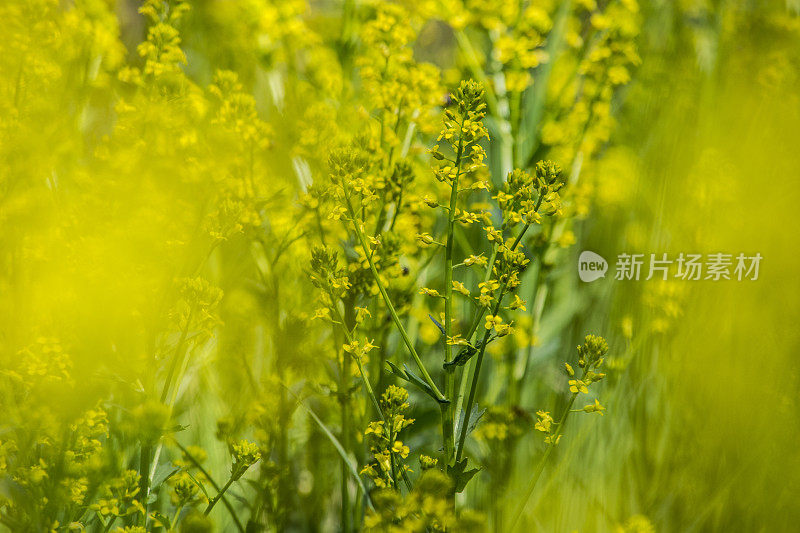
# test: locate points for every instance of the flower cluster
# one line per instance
(388, 451)
(590, 357)
(425, 508)
(161, 50)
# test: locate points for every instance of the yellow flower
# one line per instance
(430, 202)
(322, 313)
(374, 428)
(594, 408)
(399, 448)
(517, 304)
(493, 321)
(357, 349)
(459, 287)
(430, 292)
(503, 329)
(479, 260)
(456, 340)
(494, 235)
(337, 213)
(361, 314)
(485, 300)
(550, 440)
(544, 423)
(489, 286)
(576, 385)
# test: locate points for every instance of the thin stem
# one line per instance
(479, 316)
(467, 411)
(219, 495)
(481, 311)
(543, 461)
(360, 234)
(176, 357)
(343, 403)
(107, 525)
(174, 521)
(474, 385)
(214, 484)
(393, 472)
(365, 381)
(450, 377)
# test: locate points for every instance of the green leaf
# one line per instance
(438, 325)
(474, 418)
(199, 485)
(160, 519)
(463, 356)
(163, 473)
(407, 375)
(460, 475)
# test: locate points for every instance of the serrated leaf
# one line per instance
(460, 475)
(474, 417)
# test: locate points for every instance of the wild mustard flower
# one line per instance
(594, 408)
(577, 385)
(545, 421)
(245, 454)
(590, 356)
(201, 137)
(388, 452)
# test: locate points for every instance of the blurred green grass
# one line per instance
(703, 428)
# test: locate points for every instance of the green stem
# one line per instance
(176, 357)
(481, 311)
(479, 316)
(360, 234)
(393, 472)
(543, 461)
(107, 525)
(174, 521)
(365, 381)
(343, 403)
(220, 494)
(214, 484)
(450, 376)
(474, 385)
(467, 411)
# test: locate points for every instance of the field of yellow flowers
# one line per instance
(319, 265)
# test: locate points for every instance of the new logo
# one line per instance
(591, 266)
